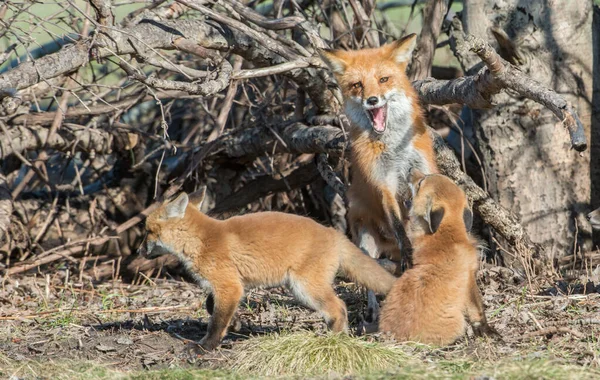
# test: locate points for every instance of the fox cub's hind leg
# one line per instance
(226, 295)
(319, 296)
(475, 312)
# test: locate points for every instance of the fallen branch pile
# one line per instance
(192, 92)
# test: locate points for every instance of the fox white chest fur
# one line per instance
(399, 155)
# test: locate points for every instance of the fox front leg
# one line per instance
(475, 312)
(225, 299)
(394, 218)
(366, 242)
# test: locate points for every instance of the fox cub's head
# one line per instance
(164, 225)
(374, 82)
(438, 202)
(594, 218)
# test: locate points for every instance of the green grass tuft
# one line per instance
(306, 353)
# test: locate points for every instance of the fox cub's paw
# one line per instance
(208, 344)
(483, 329)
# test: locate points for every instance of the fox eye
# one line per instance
(357, 85)
(383, 79)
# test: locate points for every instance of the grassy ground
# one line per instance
(62, 327)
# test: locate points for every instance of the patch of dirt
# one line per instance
(151, 325)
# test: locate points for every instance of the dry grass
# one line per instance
(307, 353)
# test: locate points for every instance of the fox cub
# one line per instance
(430, 301)
(261, 249)
(389, 137)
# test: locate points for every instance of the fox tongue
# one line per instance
(379, 117)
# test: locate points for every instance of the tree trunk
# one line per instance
(529, 165)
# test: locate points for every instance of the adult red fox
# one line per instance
(431, 301)
(261, 249)
(388, 136)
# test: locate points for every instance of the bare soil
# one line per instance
(151, 325)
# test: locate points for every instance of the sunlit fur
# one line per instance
(261, 250)
(432, 302)
(381, 161)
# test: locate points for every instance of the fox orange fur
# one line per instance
(388, 136)
(432, 301)
(261, 249)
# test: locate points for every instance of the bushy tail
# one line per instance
(365, 270)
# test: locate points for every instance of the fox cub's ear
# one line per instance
(333, 59)
(176, 208)
(468, 218)
(402, 49)
(433, 217)
(197, 197)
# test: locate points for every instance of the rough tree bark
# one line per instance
(530, 168)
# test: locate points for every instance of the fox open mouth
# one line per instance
(378, 118)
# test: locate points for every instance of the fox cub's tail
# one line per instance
(365, 270)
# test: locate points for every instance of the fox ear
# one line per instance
(197, 197)
(415, 175)
(176, 208)
(468, 219)
(433, 217)
(334, 60)
(402, 49)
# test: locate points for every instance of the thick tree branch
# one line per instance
(266, 185)
(23, 138)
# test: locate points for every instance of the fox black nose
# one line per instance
(372, 100)
(589, 216)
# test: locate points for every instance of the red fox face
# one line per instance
(437, 201)
(594, 218)
(374, 82)
(162, 224)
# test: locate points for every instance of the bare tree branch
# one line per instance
(68, 137)
(433, 17)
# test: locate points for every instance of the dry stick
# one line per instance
(155, 309)
(260, 20)
(329, 175)
(364, 22)
(422, 61)
(261, 38)
(276, 69)
(47, 117)
(231, 91)
(552, 330)
(281, 38)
